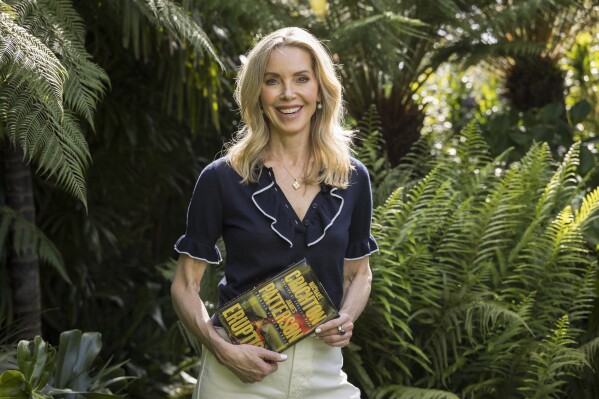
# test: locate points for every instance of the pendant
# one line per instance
(296, 184)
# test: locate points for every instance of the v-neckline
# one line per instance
(286, 199)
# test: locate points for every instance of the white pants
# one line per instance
(312, 371)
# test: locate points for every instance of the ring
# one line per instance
(341, 330)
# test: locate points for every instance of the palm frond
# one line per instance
(176, 21)
(399, 23)
(26, 237)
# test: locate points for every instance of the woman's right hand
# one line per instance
(248, 362)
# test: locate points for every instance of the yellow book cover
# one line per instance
(280, 311)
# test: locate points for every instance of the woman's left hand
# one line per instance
(336, 332)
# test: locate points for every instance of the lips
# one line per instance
(289, 110)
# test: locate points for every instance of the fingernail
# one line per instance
(283, 356)
(317, 331)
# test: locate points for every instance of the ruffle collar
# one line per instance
(271, 202)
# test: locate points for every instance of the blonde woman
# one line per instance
(287, 189)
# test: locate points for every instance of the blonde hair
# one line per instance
(329, 141)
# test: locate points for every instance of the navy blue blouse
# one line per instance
(263, 235)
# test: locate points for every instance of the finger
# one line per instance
(345, 328)
(332, 341)
(272, 356)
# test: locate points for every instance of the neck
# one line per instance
(292, 151)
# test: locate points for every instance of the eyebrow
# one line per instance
(296, 73)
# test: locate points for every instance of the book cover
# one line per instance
(280, 311)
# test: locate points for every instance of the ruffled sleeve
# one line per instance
(204, 219)
(361, 242)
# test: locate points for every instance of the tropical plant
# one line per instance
(382, 49)
(523, 40)
(41, 372)
(484, 284)
(370, 146)
(154, 131)
(38, 125)
(48, 85)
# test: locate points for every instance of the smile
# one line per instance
(288, 111)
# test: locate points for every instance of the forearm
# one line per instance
(356, 287)
(193, 314)
(189, 307)
(357, 278)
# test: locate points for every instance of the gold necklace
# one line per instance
(296, 181)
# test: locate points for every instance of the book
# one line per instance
(279, 312)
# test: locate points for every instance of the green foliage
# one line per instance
(554, 363)
(173, 19)
(582, 78)
(26, 58)
(43, 373)
(28, 237)
(400, 392)
(47, 127)
(484, 282)
(491, 31)
(370, 147)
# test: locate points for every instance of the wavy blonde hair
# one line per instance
(330, 143)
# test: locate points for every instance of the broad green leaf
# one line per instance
(11, 384)
(579, 111)
(76, 354)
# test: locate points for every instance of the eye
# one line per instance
(271, 81)
(303, 79)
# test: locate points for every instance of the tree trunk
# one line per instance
(23, 268)
(401, 129)
(533, 82)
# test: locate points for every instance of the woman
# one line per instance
(287, 189)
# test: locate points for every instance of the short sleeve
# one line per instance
(204, 219)
(361, 242)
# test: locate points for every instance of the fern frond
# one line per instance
(24, 58)
(53, 141)
(420, 160)
(554, 362)
(23, 237)
(485, 315)
(404, 392)
(87, 82)
(176, 21)
(587, 212)
(535, 168)
(399, 23)
(501, 49)
(370, 146)
(472, 150)
(584, 297)
(591, 348)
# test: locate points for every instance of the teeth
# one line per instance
(289, 110)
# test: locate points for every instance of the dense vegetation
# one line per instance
(478, 121)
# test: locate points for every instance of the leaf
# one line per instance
(36, 365)
(11, 383)
(580, 111)
(76, 354)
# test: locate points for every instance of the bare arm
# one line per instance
(357, 279)
(248, 363)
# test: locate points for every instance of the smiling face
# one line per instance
(289, 91)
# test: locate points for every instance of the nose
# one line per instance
(287, 91)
